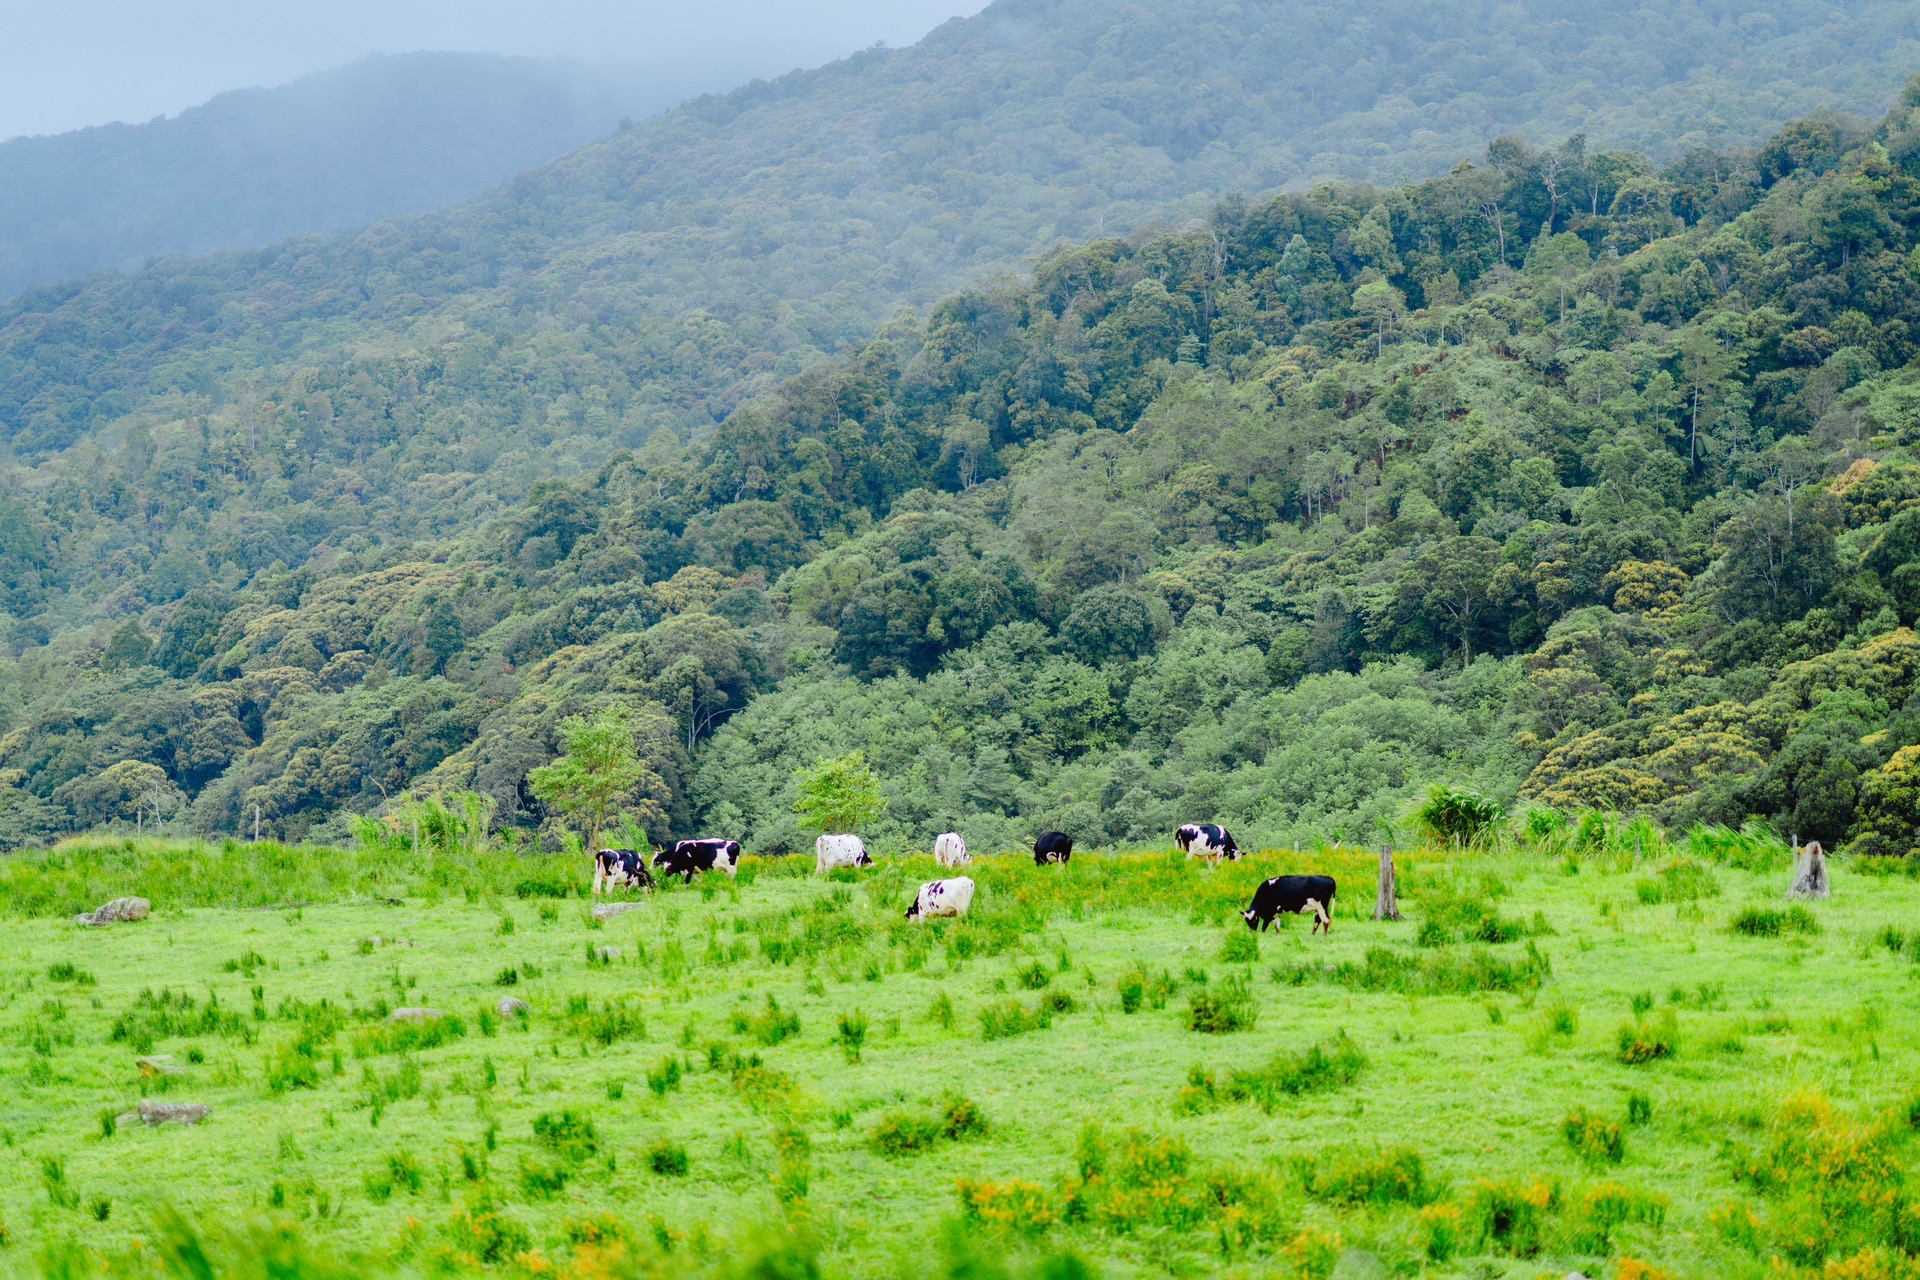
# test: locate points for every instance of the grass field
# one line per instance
(1561, 1059)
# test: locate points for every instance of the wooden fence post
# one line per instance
(1387, 905)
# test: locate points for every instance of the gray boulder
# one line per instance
(510, 1006)
(607, 953)
(160, 1064)
(608, 910)
(152, 1112)
(414, 1014)
(116, 911)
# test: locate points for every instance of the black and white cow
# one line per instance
(689, 857)
(1292, 895)
(1205, 840)
(1052, 846)
(942, 898)
(620, 869)
(949, 850)
(831, 852)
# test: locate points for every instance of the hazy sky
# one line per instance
(65, 64)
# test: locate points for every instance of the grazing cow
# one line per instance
(690, 856)
(1052, 846)
(942, 898)
(1292, 895)
(950, 850)
(620, 869)
(839, 851)
(1207, 841)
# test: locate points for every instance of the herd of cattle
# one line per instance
(1282, 895)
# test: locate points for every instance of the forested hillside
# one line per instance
(204, 419)
(382, 137)
(1273, 520)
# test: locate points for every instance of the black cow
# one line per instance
(1292, 894)
(689, 857)
(1052, 846)
(620, 868)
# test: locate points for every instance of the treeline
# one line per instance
(1566, 476)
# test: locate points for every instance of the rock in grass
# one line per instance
(116, 911)
(608, 910)
(413, 1013)
(511, 1007)
(160, 1064)
(607, 953)
(152, 1112)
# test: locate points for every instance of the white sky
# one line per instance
(65, 64)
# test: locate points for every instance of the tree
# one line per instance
(1451, 580)
(839, 795)
(599, 774)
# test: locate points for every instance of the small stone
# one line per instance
(608, 910)
(116, 911)
(607, 953)
(173, 1112)
(160, 1064)
(511, 1006)
(415, 1014)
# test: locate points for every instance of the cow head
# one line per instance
(913, 908)
(1253, 921)
(865, 861)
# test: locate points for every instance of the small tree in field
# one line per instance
(839, 795)
(598, 774)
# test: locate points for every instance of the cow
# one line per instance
(950, 850)
(1052, 846)
(942, 898)
(839, 851)
(688, 857)
(1208, 841)
(620, 869)
(1292, 895)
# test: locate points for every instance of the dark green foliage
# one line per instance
(1594, 1138)
(852, 1034)
(668, 1159)
(664, 1078)
(408, 1037)
(1240, 947)
(770, 1026)
(1458, 816)
(908, 1130)
(1223, 1009)
(1641, 1042)
(1769, 922)
(567, 1135)
(1289, 1074)
(1011, 1018)
(1378, 1178)
(1441, 972)
(1639, 1109)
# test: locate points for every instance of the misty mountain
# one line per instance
(385, 136)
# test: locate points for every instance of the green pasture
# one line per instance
(1561, 1059)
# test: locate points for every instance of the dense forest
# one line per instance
(1573, 477)
(385, 136)
(203, 419)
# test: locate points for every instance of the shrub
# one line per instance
(1058, 1002)
(1457, 815)
(1641, 1043)
(1391, 1175)
(1594, 1138)
(1132, 986)
(852, 1034)
(1639, 1109)
(568, 1135)
(770, 1026)
(1014, 1206)
(1607, 1206)
(1224, 1009)
(486, 1234)
(1323, 1067)
(940, 1012)
(664, 1078)
(508, 977)
(1440, 1231)
(1442, 972)
(1242, 946)
(541, 1181)
(1510, 1216)
(1035, 976)
(668, 1159)
(408, 1037)
(1768, 922)
(902, 1132)
(1010, 1018)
